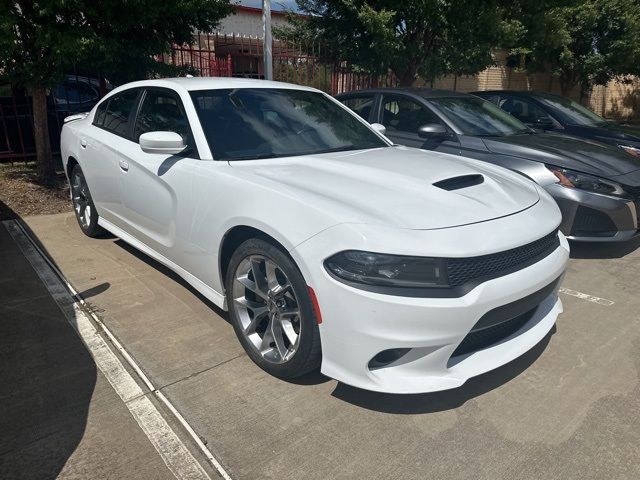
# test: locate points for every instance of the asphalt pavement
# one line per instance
(566, 410)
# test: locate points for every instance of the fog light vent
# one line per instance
(386, 357)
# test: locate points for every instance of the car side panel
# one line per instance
(152, 184)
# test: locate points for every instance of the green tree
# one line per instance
(426, 38)
(583, 43)
(41, 39)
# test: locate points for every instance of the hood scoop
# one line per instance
(457, 183)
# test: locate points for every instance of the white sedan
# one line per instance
(390, 268)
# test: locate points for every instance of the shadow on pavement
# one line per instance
(171, 274)
(93, 291)
(595, 250)
(47, 376)
(447, 399)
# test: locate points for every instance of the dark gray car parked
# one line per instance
(554, 113)
(597, 186)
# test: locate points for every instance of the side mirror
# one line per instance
(167, 143)
(431, 130)
(378, 127)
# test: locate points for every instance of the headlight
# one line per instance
(635, 151)
(388, 270)
(583, 181)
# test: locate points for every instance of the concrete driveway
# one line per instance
(568, 409)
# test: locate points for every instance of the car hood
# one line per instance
(394, 186)
(621, 133)
(564, 151)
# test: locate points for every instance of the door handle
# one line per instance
(123, 165)
(83, 143)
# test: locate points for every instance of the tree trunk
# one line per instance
(408, 76)
(567, 83)
(44, 159)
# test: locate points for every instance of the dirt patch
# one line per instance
(21, 193)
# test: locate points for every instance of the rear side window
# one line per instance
(161, 111)
(362, 105)
(72, 93)
(116, 115)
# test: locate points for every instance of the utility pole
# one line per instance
(267, 40)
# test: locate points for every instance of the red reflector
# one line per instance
(315, 304)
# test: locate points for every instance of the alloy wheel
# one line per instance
(267, 307)
(81, 200)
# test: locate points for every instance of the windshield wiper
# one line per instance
(528, 131)
(257, 157)
(344, 148)
(263, 156)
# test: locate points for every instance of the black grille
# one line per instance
(465, 270)
(499, 323)
(591, 222)
(492, 335)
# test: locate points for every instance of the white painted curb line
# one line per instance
(169, 446)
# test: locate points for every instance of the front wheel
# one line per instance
(271, 310)
(86, 212)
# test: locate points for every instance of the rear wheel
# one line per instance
(271, 310)
(86, 213)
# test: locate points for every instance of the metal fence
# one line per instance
(230, 55)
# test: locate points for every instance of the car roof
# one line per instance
(212, 83)
(420, 92)
(522, 93)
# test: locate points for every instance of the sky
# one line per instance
(275, 4)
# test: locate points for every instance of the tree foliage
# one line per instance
(426, 38)
(583, 42)
(42, 39)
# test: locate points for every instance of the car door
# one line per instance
(99, 144)
(154, 183)
(402, 116)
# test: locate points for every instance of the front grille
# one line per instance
(475, 269)
(591, 222)
(486, 337)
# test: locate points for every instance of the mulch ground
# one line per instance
(21, 193)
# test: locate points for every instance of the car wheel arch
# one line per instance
(234, 237)
(71, 163)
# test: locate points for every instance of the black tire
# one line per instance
(307, 355)
(86, 213)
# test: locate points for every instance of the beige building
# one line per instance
(614, 100)
(247, 21)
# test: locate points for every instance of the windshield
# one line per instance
(474, 116)
(571, 112)
(253, 123)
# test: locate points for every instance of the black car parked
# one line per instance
(597, 186)
(73, 94)
(554, 113)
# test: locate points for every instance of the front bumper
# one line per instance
(592, 217)
(358, 325)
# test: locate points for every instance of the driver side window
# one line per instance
(161, 111)
(404, 115)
